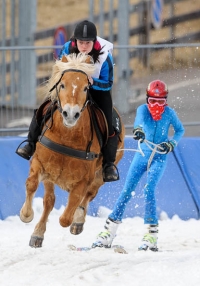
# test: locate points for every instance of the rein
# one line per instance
(155, 149)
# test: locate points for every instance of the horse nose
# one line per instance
(65, 114)
(77, 114)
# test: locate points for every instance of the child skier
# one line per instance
(152, 122)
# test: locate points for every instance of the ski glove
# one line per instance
(138, 134)
(167, 147)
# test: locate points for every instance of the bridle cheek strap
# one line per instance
(57, 92)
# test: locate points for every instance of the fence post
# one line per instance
(3, 53)
(147, 21)
(123, 72)
(27, 58)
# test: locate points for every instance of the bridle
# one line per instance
(85, 155)
(88, 97)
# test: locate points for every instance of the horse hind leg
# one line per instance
(80, 213)
(48, 203)
(75, 198)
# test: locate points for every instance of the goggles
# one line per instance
(159, 101)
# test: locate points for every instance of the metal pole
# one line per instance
(147, 31)
(172, 28)
(27, 59)
(91, 10)
(111, 17)
(101, 18)
(3, 53)
(123, 73)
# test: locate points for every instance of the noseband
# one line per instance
(57, 91)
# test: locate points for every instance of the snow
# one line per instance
(177, 263)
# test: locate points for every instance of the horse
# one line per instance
(68, 153)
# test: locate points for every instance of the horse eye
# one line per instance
(85, 89)
(62, 86)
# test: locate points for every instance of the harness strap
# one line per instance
(89, 156)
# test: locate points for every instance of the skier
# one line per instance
(152, 123)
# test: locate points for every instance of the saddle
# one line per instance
(45, 111)
(99, 122)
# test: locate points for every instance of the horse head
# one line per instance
(70, 85)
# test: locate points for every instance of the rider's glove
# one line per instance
(138, 134)
(167, 146)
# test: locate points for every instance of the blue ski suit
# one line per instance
(156, 132)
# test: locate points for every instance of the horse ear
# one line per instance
(64, 59)
(89, 60)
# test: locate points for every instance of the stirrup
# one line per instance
(110, 177)
(21, 154)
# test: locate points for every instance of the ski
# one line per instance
(145, 247)
(116, 248)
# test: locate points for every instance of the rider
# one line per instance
(152, 123)
(85, 40)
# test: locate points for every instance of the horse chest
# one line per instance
(60, 167)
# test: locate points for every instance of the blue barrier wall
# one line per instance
(177, 193)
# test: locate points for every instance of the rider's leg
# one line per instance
(110, 172)
(34, 131)
(104, 101)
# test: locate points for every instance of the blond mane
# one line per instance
(81, 62)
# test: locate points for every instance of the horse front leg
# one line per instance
(26, 212)
(75, 198)
(48, 203)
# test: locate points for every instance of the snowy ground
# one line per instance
(178, 264)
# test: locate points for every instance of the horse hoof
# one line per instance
(25, 218)
(76, 228)
(36, 241)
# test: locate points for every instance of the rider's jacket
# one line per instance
(103, 75)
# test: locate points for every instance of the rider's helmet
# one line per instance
(157, 89)
(85, 31)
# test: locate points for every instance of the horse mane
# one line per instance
(79, 61)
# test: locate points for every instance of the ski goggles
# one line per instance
(159, 101)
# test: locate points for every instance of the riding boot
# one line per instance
(110, 171)
(34, 131)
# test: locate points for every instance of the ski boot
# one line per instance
(150, 239)
(105, 238)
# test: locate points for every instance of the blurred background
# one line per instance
(153, 39)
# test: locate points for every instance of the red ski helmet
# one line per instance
(157, 88)
(85, 31)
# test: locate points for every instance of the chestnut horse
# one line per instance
(69, 128)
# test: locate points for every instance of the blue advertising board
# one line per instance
(178, 192)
